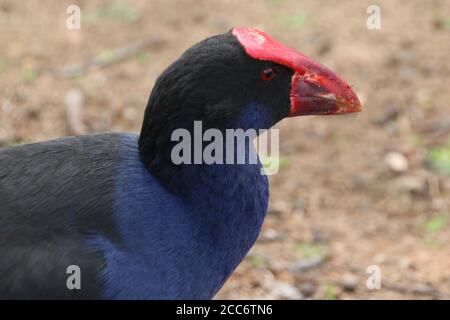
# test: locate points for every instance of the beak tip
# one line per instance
(352, 108)
(350, 102)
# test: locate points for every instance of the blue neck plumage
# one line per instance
(198, 181)
(227, 194)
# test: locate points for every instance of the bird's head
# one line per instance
(241, 79)
(313, 88)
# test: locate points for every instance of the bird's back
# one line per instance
(54, 196)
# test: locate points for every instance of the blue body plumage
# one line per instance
(180, 247)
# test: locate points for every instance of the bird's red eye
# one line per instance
(269, 73)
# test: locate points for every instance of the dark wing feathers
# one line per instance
(54, 196)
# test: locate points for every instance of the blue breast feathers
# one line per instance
(174, 247)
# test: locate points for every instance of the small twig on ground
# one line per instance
(306, 265)
(418, 289)
(102, 61)
(74, 102)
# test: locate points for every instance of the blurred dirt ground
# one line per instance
(353, 191)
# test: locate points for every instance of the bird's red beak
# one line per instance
(315, 88)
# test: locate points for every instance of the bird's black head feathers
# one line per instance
(216, 82)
